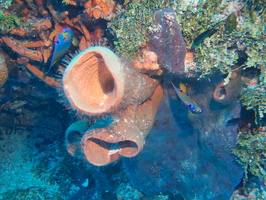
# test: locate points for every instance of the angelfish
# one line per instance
(62, 44)
(185, 98)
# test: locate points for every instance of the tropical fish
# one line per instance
(234, 120)
(62, 44)
(201, 37)
(185, 98)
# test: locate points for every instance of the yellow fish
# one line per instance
(191, 105)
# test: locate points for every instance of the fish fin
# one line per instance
(183, 87)
(55, 61)
(75, 41)
(190, 114)
(176, 89)
(48, 70)
(51, 65)
(173, 85)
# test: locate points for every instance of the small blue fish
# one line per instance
(191, 105)
(62, 44)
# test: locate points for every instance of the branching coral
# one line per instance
(251, 153)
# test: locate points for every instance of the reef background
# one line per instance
(221, 36)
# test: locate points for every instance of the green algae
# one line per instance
(195, 20)
(255, 99)
(11, 21)
(219, 51)
(131, 26)
(251, 153)
(215, 54)
(253, 39)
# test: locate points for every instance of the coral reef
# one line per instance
(100, 9)
(120, 88)
(39, 33)
(251, 153)
(131, 26)
(253, 189)
(215, 48)
(254, 98)
(127, 192)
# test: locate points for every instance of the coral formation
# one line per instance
(148, 60)
(251, 153)
(23, 20)
(255, 99)
(131, 26)
(118, 87)
(127, 192)
(114, 88)
(125, 136)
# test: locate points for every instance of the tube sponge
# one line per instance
(94, 81)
